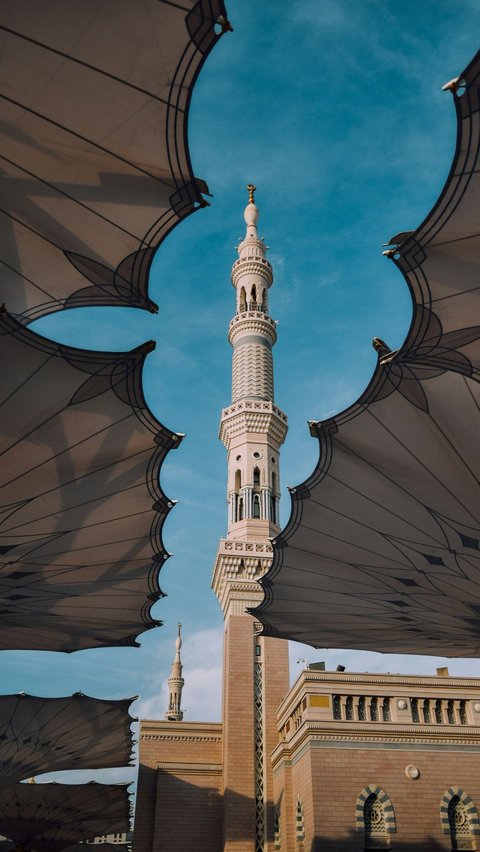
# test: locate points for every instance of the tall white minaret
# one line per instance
(252, 427)
(175, 684)
(255, 672)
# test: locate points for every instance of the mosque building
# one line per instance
(339, 762)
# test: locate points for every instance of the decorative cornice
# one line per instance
(229, 546)
(238, 567)
(191, 768)
(288, 753)
(412, 735)
(364, 678)
(253, 416)
(189, 738)
(254, 405)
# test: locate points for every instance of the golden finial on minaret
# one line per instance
(251, 189)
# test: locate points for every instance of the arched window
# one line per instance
(450, 713)
(463, 713)
(427, 716)
(256, 506)
(240, 509)
(374, 709)
(274, 482)
(256, 477)
(386, 710)
(253, 297)
(375, 817)
(459, 819)
(438, 711)
(242, 302)
(238, 480)
(373, 820)
(349, 707)
(273, 510)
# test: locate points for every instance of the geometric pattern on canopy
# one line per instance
(81, 506)
(382, 548)
(52, 817)
(95, 163)
(40, 735)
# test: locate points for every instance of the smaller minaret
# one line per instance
(175, 684)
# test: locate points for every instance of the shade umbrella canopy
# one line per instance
(81, 506)
(40, 735)
(99, 847)
(52, 817)
(95, 172)
(95, 169)
(382, 549)
(10, 846)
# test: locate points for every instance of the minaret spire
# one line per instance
(252, 427)
(175, 683)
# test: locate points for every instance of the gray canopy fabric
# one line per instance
(52, 817)
(10, 846)
(95, 169)
(81, 506)
(94, 173)
(382, 549)
(40, 735)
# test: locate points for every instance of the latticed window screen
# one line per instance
(373, 817)
(450, 713)
(337, 707)
(386, 710)
(374, 709)
(259, 760)
(299, 822)
(427, 716)
(349, 707)
(438, 711)
(415, 713)
(458, 818)
(361, 709)
(463, 713)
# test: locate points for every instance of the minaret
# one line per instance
(255, 668)
(175, 684)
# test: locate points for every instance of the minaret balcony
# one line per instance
(252, 322)
(256, 265)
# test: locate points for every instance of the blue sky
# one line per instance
(335, 111)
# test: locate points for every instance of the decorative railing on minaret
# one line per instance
(252, 427)
(175, 684)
